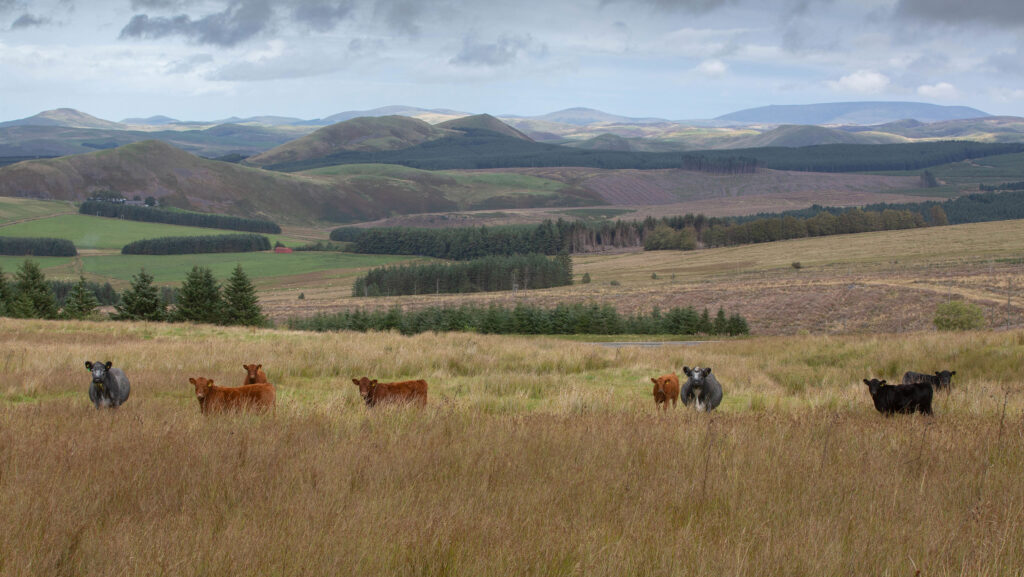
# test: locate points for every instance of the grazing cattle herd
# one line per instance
(110, 388)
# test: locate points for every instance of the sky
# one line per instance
(674, 59)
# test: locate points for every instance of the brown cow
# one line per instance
(213, 399)
(404, 391)
(666, 387)
(254, 374)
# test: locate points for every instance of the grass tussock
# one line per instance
(533, 457)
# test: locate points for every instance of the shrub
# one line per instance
(958, 316)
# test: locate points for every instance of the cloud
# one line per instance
(694, 6)
(713, 68)
(500, 53)
(189, 65)
(29, 21)
(861, 81)
(1003, 13)
(240, 21)
(160, 4)
(6, 5)
(940, 91)
(402, 16)
(322, 15)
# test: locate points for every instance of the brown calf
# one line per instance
(254, 374)
(214, 399)
(666, 387)
(404, 391)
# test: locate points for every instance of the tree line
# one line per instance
(563, 319)
(184, 218)
(200, 298)
(18, 246)
(198, 244)
(492, 273)
(1004, 186)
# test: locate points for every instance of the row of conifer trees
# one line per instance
(200, 299)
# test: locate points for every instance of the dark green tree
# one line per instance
(81, 302)
(241, 307)
(36, 298)
(5, 294)
(199, 299)
(142, 301)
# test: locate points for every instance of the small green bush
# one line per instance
(958, 316)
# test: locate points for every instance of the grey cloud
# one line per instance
(9, 5)
(322, 15)
(1008, 63)
(1004, 13)
(694, 6)
(29, 21)
(189, 64)
(500, 53)
(401, 15)
(160, 4)
(240, 21)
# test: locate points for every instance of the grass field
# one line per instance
(110, 234)
(533, 457)
(17, 209)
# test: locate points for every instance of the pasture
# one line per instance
(534, 456)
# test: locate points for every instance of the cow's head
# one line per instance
(874, 385)
(366, 387)
(698, 376)
(202, 385)
(99, 370)
(660, 382)
(945, 377)
(253, 373)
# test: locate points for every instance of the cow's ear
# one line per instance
(355, 382)
(108, 364)
(373, 383)
(209, 383)
(687, 371)
(88, 365)
(246, 367)
(258, 367)
(951, 373)
(867, 382)
(707, 371)
(654, 380)
(192, 380)
(882, 382)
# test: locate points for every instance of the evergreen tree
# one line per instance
(704, 325)
(142, 301)
(81, 302)
(5, 294)
(199, 299)
(241, 307)
(36, 298)
(721, 326)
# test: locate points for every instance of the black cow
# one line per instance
(109, 386)
(702, 388)
(890, 399)
(940, 380)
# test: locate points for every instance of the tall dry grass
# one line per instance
(534, 457)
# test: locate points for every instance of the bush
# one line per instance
(958, 316)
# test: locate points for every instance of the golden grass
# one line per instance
(533, 457)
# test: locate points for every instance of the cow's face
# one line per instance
(945, 377)
(99, 371)
(698, 376)
(874, 385)
(365, 387)
(253, 373)
(660, 382)
(202, 385)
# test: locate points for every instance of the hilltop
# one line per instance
(839, 113)
(483, 122)
(364, 134)
(67, 118)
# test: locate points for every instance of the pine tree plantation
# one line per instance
(241, 306)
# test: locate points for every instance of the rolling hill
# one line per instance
(65, 117)
(838, 113)
(359, 134)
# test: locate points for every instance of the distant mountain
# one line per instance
(67, 118)
(158, 120)
(482, 122)
(986, 129)
(796, 135)
(839, 113)
(364, 134)
(397, 110)
(27, 140)
(264, 121)
(582, 116)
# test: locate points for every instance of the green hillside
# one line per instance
(358, 134)
(484, 122)
(180, 179)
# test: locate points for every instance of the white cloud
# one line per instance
(941, 90)
(713, 67)
(861, 81)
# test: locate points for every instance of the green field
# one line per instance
(14, 209)
(99, 233)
